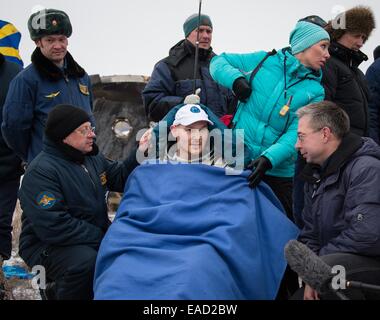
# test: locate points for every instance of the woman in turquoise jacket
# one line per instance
(271, 87)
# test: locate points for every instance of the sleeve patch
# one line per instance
(46, 200)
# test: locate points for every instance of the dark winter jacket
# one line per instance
(63, 199)
(10, 164)
(33, 93)
(342, 200)
(345, 85)
(172, 80)
(373, 79)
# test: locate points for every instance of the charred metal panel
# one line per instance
(117, 98)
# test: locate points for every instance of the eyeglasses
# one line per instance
(302, 136)
(85, 131)
(316, 20)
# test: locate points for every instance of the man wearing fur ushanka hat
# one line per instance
(53, 77)
(343, 81)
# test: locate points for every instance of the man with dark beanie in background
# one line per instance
(173, 77)
(64, 206)
(373, 78)
(53, 78)
(343, 81)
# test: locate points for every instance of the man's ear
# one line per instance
(38, 43)
(327, 134)
(173, 130)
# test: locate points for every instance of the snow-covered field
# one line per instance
(21, 289)
(18, 289)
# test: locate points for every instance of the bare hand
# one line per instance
(310, 293)
(144, 142)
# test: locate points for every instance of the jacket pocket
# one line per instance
(185, 87)
(366, 225)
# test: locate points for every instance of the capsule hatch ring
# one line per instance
(122, 128)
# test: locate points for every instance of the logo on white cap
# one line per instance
(189, 114)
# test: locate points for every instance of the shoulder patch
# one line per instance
(103, 178)
(46, 200)
(84, 89)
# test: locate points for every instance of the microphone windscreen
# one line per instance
(309, 267)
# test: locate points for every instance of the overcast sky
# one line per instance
(129, 37)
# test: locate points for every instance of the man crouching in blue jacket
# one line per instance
(64, 205)
(342, 199)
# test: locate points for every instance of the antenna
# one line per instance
(197, 47)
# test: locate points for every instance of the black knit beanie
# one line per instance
(64, 119)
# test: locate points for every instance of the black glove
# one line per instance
(242, 89)
(258, 167)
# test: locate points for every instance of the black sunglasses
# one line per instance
(316, 20)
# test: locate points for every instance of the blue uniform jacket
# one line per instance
(33, 93)
(64, 202)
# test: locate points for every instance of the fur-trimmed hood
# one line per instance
(359, 19)
(48, 69)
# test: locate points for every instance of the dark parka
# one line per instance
(171, 82)
(10, 164)
(342, 201)
(373, 78)
(345, 85)
(33, 93)
(64, 200)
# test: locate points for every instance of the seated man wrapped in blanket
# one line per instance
(188, 228)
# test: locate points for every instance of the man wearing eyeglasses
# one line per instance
(342, 205)
(53, 78)
(63, 197)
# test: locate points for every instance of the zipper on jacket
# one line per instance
(88, 173)
(315, 188)
(285, 85)
(67, 80)
(286, 88)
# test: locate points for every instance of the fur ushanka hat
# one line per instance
(359, 19)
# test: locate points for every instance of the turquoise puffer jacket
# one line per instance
(270, 130)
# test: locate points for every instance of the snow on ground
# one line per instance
(21, 289)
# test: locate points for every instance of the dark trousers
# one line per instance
(282, 188)
(358, 268)
(8, 199)
(72, 271)
(298, 193)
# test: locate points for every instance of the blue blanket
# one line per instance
(192, 232)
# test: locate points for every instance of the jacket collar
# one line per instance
(295, 67)
(2, 59)
(48, 69)
(185, 48)
(349, 145)
(64, 151)
(348, 56)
